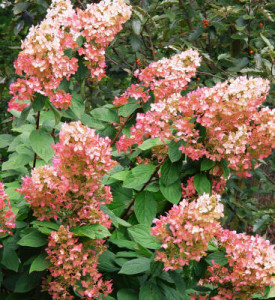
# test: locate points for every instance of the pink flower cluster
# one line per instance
(236, 129)
(43, 62)
(186, 230)
(99, 24)
(251, 265)
(164, 77)
(71, 191)
(74, 265)
(7, 217)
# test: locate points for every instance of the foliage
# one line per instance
(92, 158)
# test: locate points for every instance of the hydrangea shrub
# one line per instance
(124, 201)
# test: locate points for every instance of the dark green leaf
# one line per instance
(141, 234)
(138, 176)
(145, 208)
(218, 257)
(82, 71)
(226, 170)
(207, 164)
(107, 262)
(10, 259)
(20, 7)
(27, 282)
(149, 291)
(38, 102)
(202, 184)
(41, 142)
(172, 192)
(150, 143)
(18, 27)
(136, 266)
(195, 34)
(23, 116)
(173, 151)
(40, 263)
(170, 172)
(105, 114)
(94, 231)
(126, 294)
(33, 239)
(179, 282)
(259, 224)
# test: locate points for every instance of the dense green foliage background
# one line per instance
(233, 37)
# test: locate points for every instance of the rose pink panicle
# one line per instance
(74, 265)
(44, 62)
(7, 217)
(251, 266)
(164, 77)
(186, 230)
(236, 129)
(72, 189)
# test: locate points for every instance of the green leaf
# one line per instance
(145, 208)
(127, 109)
(77, 106)
(150, 143)
(16, 161)
(41, 142)
(10, 259)
(138, 176)
(120, 175)
(207, 164)
(226, 170)
(266, 40)
(173, 151)
(116, 220)
(135, 42)
(170, 172)
(20, 7)
(150, 291)
(218, 257)
(47, 224)
(202, 184)
(195, 34)
(107, 262)
(23, 116)
(238, 36)
(82, 70)
(105, 114)
(260, 223)
(27, 282)
(40, 263)
(5, 140)
(33, 239)
(94, 231)
(38, 102)
(92, 122)
(126, 294)
(141, 234)
(80, 40)
(57, 115)
(135, 266)
(179, 282)
(172, 192)
(136, 25)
